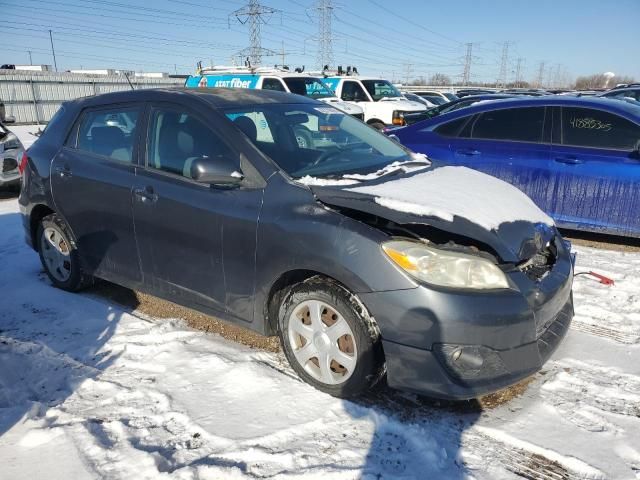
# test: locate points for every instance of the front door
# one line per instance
(597, 170)
(91, 181)
(189, 234)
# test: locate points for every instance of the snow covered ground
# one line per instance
(90, 389)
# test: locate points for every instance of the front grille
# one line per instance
(359, 116)
(9, 165)
(550, 334)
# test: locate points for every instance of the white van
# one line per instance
(272, 79)
(383, 104)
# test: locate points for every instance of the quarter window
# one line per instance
(587, 127)
(514, 124)
(176, 139)
(451, 129)
(109, 132)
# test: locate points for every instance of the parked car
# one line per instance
(445, 96)
(632, 92)
(533, 92)
(417, 98)
(278, 79)
(412, 118)
(382, 102)
(360, 255)
(465, 92)
(10, 154)
(577, 158)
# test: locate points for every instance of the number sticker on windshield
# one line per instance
(589, 123)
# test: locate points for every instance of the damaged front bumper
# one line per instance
(460, 345)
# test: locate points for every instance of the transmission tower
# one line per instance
(504, 60)
(466, 75)
(540, 78)
(255, 15)
(519, 72)
(324, 11)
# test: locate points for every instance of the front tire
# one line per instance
(329, 338)
(377, 125)
(58, 255)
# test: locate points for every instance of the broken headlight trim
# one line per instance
(445, 268)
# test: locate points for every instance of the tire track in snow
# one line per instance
(487, 447)
(590, 396)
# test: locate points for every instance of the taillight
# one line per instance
(23, 163)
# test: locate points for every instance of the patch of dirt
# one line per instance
(156, 307)
(602, 241)
(501, 397)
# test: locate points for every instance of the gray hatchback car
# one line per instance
(366, 259)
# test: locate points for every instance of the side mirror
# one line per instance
(9, 119)
(215, 171)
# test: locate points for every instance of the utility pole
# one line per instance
(53, 51)
(254, 14)
(556, 76)
(324, 12)
(466, 75)
(282, 53)
(540, 75)
(504, 60)
(519, 72)
(30, 61)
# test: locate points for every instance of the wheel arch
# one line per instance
(38, 212)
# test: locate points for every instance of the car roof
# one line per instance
(554, 100)
(624, 109)
(217, 97)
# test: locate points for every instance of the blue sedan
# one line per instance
(577, 158)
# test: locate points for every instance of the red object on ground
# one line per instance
(604, 280)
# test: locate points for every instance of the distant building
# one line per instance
(34, 68)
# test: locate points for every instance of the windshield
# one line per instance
(315, 140)
(309, 87)
(379, 89)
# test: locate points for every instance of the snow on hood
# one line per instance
(418, 161)
(448, 191)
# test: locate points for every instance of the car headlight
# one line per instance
(11, 142)
(397, 118)
(445, 268)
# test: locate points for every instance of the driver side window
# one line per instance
(353, 92)
(177, 138)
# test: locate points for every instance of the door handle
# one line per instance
(145, 195)
(468, 151)
(570, 160)
(64, 171)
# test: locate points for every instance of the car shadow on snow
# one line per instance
(414, 436)
(51, 341)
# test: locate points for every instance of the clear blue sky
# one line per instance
(414, 37)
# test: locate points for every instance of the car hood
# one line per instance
(405, 105)
(344, 106)
(457, 200)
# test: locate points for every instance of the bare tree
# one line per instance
(600, 80)
(439, 79)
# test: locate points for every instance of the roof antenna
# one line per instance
(126, 75)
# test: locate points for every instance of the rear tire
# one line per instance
(377, 125)
(338, 350)
(59, 256)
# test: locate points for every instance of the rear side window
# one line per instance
(586, 127)
(452, 128)
(178, 138)
(514, 124)
(272, 84)
(109, 132)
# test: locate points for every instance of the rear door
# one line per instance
(196, 241)
(597, 172)
(91, 181)
(512, 144)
